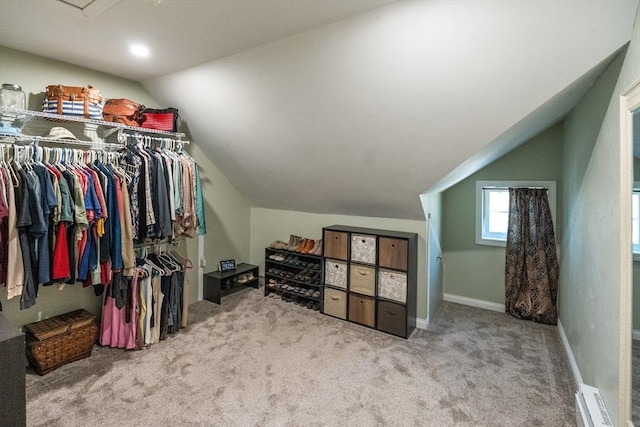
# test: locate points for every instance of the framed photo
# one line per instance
(228, 265)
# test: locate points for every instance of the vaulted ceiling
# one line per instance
(342, 106)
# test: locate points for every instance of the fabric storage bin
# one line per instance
(392, 318)
(393, 253)
(335, 273)
(54, 342)
(363, 248)
(335, 244)
(392, 285)
(362, 310)
(335, 303)
(362, 279)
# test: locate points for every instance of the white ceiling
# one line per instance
(345, 107)
(179, 33)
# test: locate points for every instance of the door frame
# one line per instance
(629, 102)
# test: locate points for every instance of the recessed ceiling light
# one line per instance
(139, 50)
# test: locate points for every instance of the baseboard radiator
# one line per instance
(590, 409)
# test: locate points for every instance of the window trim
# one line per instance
(481, 185)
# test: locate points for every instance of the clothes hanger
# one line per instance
(185, 262)
(170, 263)
(154, 266)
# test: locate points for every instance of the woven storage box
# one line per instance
(54, 342)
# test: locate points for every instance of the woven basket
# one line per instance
(54, 342)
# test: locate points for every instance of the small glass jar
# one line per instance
(12, 97)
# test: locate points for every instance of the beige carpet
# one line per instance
(261, 361)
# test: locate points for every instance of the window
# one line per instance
(495, 213)
(492, 209)
(635, 221)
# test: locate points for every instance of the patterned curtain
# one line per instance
(531, 270)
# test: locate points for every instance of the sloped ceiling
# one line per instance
(312, 106)
(362, 116)
(179, 33)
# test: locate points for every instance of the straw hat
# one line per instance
(58, 132)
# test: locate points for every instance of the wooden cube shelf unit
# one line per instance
(371, 277)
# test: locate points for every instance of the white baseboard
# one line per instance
(636, 334)
(422, 323)
(487, 305)
(572, 360)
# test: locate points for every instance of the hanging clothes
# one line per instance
(71, 216)
(166, 193)
(147, 308)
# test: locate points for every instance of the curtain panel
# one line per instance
(531, 268)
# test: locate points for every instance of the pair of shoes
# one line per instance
(244, 278)
(315, 294)
(278, 244)
(277, 257)
(317, 251)
(272, 283)
(312, 247)
(305, 246)
(293, 260)
(294, 242)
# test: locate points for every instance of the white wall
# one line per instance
(591, 269)
(432, 207)
(268, 225)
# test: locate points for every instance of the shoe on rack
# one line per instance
(288, 245)
(307, 249)
(315, 294)
(250, 276)
(277, 244)
(278, 257)
(297, 240)
(242, 278)
(303, 246)
(314, 248)
(318, 250)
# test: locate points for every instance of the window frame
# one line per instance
(480, 206)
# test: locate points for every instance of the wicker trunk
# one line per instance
(54, 342)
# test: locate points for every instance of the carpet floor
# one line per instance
(260, 361)
(635, 383)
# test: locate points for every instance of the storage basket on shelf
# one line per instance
(54, 342)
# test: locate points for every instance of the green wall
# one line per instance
(593, 269)
(477, 271)
(268, 225)
(227, 212)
